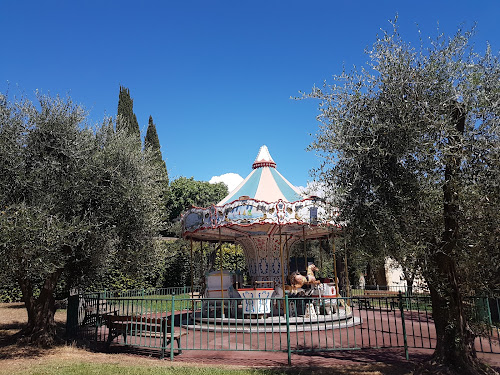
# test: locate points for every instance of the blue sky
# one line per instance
(216, 76)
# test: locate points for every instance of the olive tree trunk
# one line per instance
(455, 340)
(41, 327)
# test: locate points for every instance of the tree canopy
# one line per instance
(126, 118)
(410, 147)
(152, 145)
(151, 140)
(187, 192)
(74, 201)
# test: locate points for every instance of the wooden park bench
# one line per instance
(152, 327)
(369, 295)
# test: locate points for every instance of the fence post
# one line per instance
(72, 316)
(172, 316)
(287, 315)
(401, 309)
(97, 316)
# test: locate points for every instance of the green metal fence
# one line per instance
(176, 291)
(181, 321)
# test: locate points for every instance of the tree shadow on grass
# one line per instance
(11, 326)
(386, 361)
(386, 356)
(319, 363)
(15, 306)
(369, 369)
(13, 346)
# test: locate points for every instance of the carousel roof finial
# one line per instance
(263, 159)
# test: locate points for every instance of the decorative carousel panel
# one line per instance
(263, 257)
(249, 212)
(193, 220)
(256, 301)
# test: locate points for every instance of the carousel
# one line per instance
(266, 215)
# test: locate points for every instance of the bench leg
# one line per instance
(179, 350)
(164, 344)
(110, 339)
(167, 342)
(112, 334)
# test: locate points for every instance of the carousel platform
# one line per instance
(273, 324)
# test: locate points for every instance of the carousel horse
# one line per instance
(298, 281)
(310, 274)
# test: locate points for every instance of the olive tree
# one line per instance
(410, 151)
(185, 193)
(74, 200)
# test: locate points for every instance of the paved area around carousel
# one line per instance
(323, 359)
(306, 360)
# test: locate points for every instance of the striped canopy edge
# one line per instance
(264, 183)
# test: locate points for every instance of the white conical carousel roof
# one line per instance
(264, 183)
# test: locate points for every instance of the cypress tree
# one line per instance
(151, 139)
(152, 143)
(126, 117)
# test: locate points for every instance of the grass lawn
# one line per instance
(153, 303)
(67, 359)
